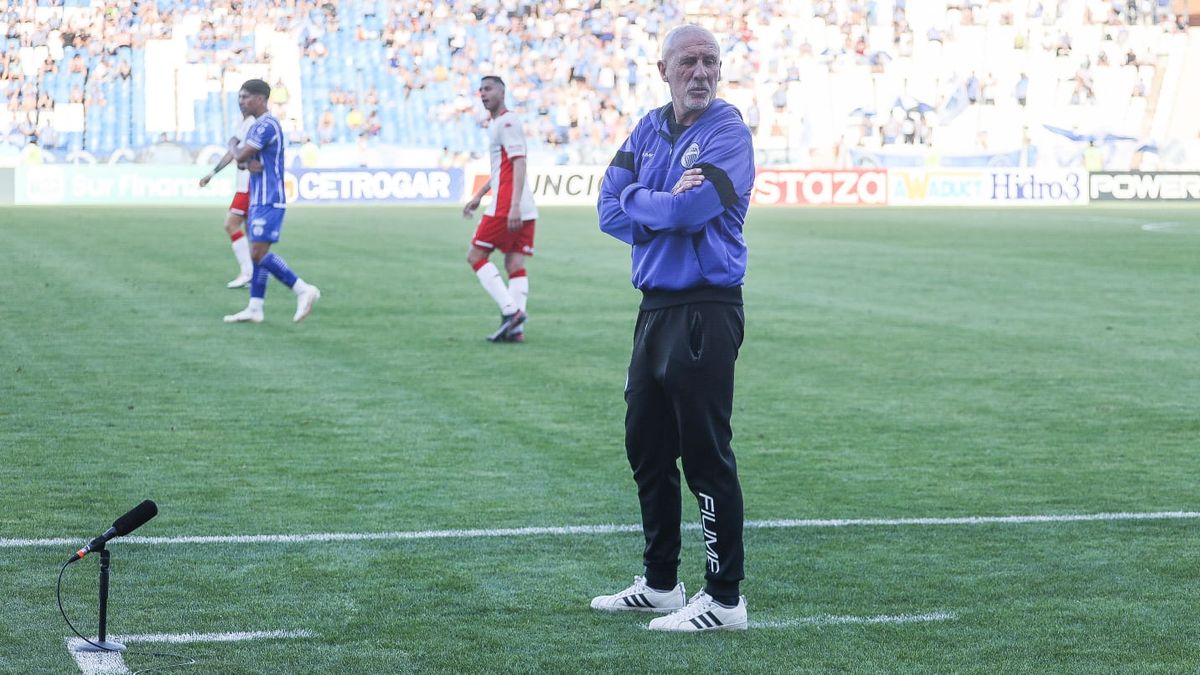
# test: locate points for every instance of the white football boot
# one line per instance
(304, 302)
(641, 598)
(244, 316)
(703, 613)
(242, 281)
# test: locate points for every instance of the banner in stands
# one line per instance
(373, 186)
(556, 186)
(120, 184)
(991, 187)
(819, 187)
(1138, 186)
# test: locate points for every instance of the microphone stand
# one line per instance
(101, 644)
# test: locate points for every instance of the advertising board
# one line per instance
(1138, 186)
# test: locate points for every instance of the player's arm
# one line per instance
(225, 160)
(469, 208)
(518, 179)
(620, 173)
(259, 136)
(727, 168)
(245, 152)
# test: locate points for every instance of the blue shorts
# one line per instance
(264, 223)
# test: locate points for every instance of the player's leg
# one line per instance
(265, 226)
(651, 444)
(490, 230)
(259, 276)
(703, 343)
(235, 219)
(272, 224)
(518, 289)
(699, 380)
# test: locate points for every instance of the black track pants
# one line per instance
(680, 398)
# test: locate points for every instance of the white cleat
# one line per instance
(702, 613)
(245, 316)
(305, 302)
(242, 281)
(641, 598)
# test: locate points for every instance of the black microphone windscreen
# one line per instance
(136, 517)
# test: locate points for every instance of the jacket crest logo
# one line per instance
(690, 156)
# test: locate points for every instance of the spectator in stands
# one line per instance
(1083, 85)
(988, 90)
(309, 153)
(355, 121)
(32, 154)
(1093, 158)
(924, 130)
(908, 128)
(77, 65)
(780, 97)
(279, 93)
(327, 127)
(1021, 90)
(973, 88)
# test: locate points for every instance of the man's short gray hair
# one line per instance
(677, 32)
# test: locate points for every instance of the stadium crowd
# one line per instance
(404, 73)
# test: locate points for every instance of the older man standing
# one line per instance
(678, 191)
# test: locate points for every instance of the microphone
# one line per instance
(122, 526)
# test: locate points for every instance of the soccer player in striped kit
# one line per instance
(509, 221)
(677, 191)
(262, 152)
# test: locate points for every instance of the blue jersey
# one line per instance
(693, 239)
(266, 187)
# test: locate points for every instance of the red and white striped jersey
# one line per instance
(506, 141)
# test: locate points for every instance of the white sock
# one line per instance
(489, 276)
(241, 251)
(518, 288)
(256, 305)
(299, 287)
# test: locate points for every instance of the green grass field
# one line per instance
(898, 364)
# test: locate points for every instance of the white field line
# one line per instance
(1160, 227)
(831, 620)
(96, 663)
(607, 529)
(110, 663)
(180, 638)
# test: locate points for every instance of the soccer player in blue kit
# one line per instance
(262, 152)
(677, 191)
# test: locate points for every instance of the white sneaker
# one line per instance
(242, 281)
(641, 598)
(305, 301)
(244, 316)
(703, 613)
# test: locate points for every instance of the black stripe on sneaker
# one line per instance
(645, 603)
(696, 623)
(714, 618)
(629, 602)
